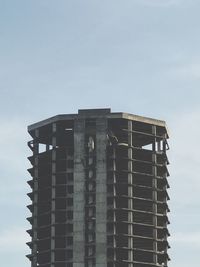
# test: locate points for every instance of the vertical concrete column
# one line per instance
(35, 198)
(130, 194)
(165, 188)
(154, 195)
(101, 192)
(79, 194)
(53, 194)
(114, 206)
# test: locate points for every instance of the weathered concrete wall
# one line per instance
(101, 192)
(79, 197)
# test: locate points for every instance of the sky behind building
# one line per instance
(136, 56)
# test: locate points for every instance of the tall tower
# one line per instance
(99, 191)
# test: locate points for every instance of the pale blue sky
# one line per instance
(136, 56)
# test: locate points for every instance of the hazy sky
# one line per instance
(136, 56)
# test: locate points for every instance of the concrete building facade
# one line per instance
(98, 191)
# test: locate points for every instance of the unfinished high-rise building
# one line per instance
(98, 191)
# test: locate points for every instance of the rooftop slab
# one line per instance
(96, 113)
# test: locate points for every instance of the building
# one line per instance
(99, 191)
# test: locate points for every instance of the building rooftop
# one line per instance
(95, 113)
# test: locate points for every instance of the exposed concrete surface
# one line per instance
(79, 194)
